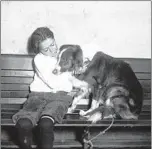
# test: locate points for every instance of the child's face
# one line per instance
(48, 47)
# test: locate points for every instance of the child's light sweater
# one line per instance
(45, 80)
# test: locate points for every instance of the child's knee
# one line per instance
(24, 123)
(46, 123)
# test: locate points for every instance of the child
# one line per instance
(48, 101)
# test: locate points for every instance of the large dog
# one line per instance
(118, 91)
(115, 89)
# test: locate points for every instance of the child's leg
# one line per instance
(46, 125)
(24, 127)
(58, 106)
(27, 118)
(32, 108)
(53, 112)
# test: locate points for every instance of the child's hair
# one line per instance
(39, 35)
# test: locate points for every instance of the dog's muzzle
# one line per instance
(55, 71)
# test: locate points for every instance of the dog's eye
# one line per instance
(64, 61)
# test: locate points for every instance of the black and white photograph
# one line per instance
(76, 74)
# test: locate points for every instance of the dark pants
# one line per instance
(39, 104)
(46, 137)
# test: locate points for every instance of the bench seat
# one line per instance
(16, 76)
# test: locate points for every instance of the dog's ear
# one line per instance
(78, 58)
(86, 61)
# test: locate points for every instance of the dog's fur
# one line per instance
(70, 59)
(117, 90)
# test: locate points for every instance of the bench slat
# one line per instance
(19, 73)
(102, 144)
(145, 83)
(25, 62)
(14, 94)
(24, 94)
(85, 107)
(122, 144)
(16, 80)
(139, 64)
(75, 113)
(28, 80)
(81, 102)
(25, 87)
(57, 144)
(123, 135)
(8, 115)
(22, 62)
(26, 73)
(15, 87)
(83, 123)
(144, 76)
(13, 100)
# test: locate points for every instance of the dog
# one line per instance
(118, 92)
(70, 60)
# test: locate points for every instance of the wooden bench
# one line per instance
(16, 75)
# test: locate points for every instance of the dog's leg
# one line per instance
(74, 104)
(76, 100)
(95, 117)
(94, 105)
(83, 86)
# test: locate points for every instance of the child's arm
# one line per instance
(41, 76)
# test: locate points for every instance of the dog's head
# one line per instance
(123, 105)
(118, 99)
(70, 58)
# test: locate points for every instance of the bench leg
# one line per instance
(86, 146)
(86, 143)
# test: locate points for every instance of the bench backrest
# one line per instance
(17, 74)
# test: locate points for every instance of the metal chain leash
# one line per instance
(89, 141)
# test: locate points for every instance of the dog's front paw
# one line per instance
(109, 116)
(82, 113)
(95, 117)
